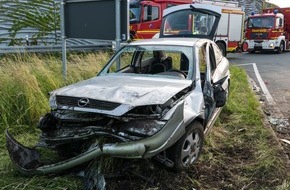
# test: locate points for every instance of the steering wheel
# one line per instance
(178, 71)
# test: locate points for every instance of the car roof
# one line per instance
(197, 42)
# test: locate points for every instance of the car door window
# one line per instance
(153, 14)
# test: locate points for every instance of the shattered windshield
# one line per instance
(152, 59)
(261, 22)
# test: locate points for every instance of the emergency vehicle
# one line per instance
(268, 31)
(146, 19)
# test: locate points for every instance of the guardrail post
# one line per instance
(118, 28)
(63, 40)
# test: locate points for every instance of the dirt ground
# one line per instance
(280, 126)
(278, 120)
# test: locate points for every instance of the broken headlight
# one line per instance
(143, 127)
(152, 111)
(147, 120)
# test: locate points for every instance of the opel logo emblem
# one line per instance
(83, 102)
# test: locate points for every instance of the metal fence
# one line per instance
(34, 26)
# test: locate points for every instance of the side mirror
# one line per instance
(280, 22)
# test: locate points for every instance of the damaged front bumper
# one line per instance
(27, 160)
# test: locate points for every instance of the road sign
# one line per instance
(95, 19)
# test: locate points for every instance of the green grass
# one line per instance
(240, 152)
(26, 80)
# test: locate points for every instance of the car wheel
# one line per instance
(187, 149)
(281, 47)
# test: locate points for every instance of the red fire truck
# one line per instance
(146, 16)
(146, 19)
(268, 31)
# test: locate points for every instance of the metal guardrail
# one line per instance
(55, 48)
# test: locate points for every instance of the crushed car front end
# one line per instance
(82, 129)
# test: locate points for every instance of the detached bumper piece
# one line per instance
(27, 160)
(24, 158)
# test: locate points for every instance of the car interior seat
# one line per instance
(184, 63)
(158, 68)
(203, 30)
(168, 63)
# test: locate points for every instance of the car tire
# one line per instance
(281, 47)
(187, 149)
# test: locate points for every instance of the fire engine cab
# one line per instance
(146, 16)
(268, 31)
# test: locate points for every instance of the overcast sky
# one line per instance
(280, 3)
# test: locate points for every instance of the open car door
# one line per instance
(190, 20)
(208, 90)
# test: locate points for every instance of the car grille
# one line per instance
(259, 35)
(94, 104)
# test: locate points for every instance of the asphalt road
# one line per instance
(271, 72)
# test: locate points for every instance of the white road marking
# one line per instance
(261, 82)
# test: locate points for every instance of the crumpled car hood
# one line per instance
(126, 89)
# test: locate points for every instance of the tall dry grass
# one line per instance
(26, 79)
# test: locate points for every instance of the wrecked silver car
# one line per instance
(155, 98)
